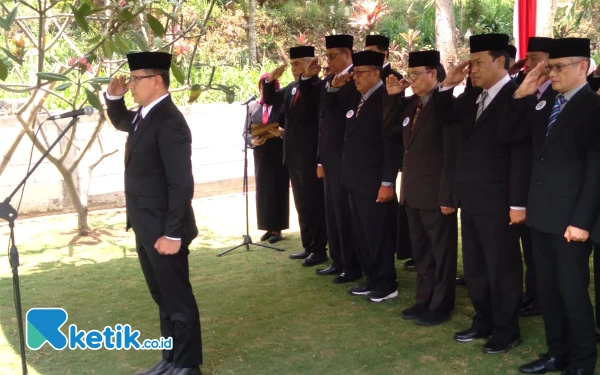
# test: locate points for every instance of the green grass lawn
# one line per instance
(261, 312)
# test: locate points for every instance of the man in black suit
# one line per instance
(300, 154)
(368, 169)
(331, 138)
(491, 193)
(399, 220)
(563, 203)
(537, 51)
(159, 187)
(427, 188)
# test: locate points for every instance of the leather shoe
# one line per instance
(432, 318)
(159, 368)
(526, 299)
(470, 335)
(410, 265)
(533, 309)
(265, 236)
(331, 270)
(543, 365)
(184, 371)
(345, 278)
(314, 259)
(578, 371)
(302, 255)
(275, 238)
(413, 312)
(498, 347)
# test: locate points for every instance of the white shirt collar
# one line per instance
(347, 69)
(544, 86)
(386, 64)
(494, 90)
(147, 108)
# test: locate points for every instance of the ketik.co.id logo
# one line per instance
(44, 324)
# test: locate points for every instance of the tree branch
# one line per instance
(101, 121)
(104, 156)
(11, 150)
(60, 33)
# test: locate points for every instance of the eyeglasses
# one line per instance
(559, 67)
(413, 76)
(331, 56)
(358, 73)
(135, 79)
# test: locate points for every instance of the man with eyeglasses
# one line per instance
(159, 187)
(300, 154)
(398, 221)
(563, 202)
(427, 187)
(368, 169)
(332, 122)
(491, 191)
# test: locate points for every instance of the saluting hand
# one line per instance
(575, 234)
(166, 246)
(395, 86)
(118, 86)
(277, 72)
(385, 194)
(517, 216)
(533, 80)
(516, 67)
(312, 68)
(447, 210)
(457, 74)
(341, 79)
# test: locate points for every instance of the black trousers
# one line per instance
(527, 248)
(434, 238)
(310, 205)
(402, 234)
(563, 276)
(597, 282)
(493, 273)
(371, 234)
(339, 224)
(168, 279)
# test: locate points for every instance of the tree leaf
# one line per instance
(63, 86)
(95, 87)
(155, 25)
(10, 19)
(52, 77)
(3, 71)
(177, 73)
(101, 80)
(85, 9)
(94, 100)
(95, 39)
(12, 56)
(120, 42)
(140, 41)
(107, 48)
(126, 15)
(80, 18)
(171, 16)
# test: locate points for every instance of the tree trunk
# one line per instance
(251, 33)
(11, 150)
(546, 11)
(445, 32)
(75, 195)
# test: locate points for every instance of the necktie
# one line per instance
(538, 93)
(138, 121)
(413, 125)
(481, 107)
(560, 100)
(295, 98)
(362, 101)
(265, 114)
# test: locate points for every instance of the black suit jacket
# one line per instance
(332, 120)
(565, 179)
(429, 160)
(273, 147)
(490, 176)
(368, 154)
(159, 184)
(301, 122)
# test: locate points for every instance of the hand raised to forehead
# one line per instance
(341, 79)
(395, 86)
(118, 86)
(533, 80)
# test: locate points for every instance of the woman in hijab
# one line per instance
(271, 175)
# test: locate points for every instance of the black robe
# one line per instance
(271, 176)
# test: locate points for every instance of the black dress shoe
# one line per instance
(533, 309)
(460, 280)
(498, 347)
(432, 318)
(265, 236)
(275, 238)
(345, 278)
(158, 369)
(526, 299)
(314, 259)
(410, 265)
(543, 365)
(184, 371)
(331, 270)
(578, 371)
(302, 255)
(413, 312)
(470, 335)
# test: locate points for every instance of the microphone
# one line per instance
(79, 112)
(253, 97)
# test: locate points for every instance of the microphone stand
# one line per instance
(8, 213)
(247, 239)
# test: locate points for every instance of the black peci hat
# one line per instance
(539, 44)
(339, 41)
(302, 51)
(423, 58)
(488, 42)
(377, 40)
(570, 47)
(149, 60)
(365, 58)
